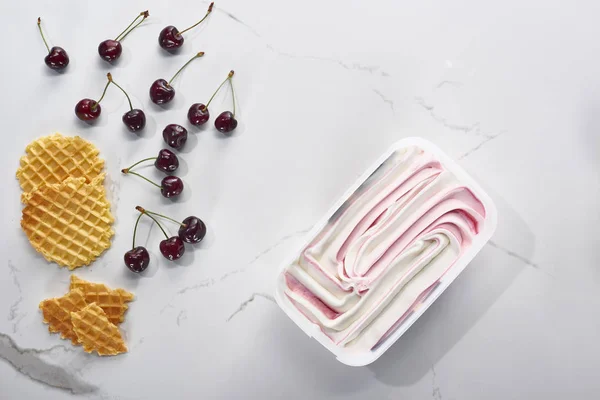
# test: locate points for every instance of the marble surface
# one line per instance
(509, 89)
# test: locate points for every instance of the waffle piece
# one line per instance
(112, 301)
(69, 222)
(96, 333)
(57, 313)
(52, 159)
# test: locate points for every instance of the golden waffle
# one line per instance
(52, 159)
(111, 301)
(96, 333)
(69, 222)
(57, 313)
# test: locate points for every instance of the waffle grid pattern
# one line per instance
(70, 222)
(54, 158)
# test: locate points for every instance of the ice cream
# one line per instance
(384, 250)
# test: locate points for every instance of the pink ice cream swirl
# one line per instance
(384, 249)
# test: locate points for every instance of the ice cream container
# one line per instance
(385, 251)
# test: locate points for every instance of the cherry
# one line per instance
(171, 186)
(166, 161)
(161, 91)
(192, 230)
(226, 122)
(172, 248)
(88, 109)
(137, 259)
(170, 38)
(198, 114)
(134, 119)
(57, 58)
(110, 49)
(175, 136)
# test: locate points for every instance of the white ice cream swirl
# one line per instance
(385, 249)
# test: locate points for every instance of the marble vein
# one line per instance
(239, 21)
(30, 362)
(13, 310)
(473, 129)
(513, 254)
(244, 304)
(385, 100)
(205, 283)
(436, 394)
(182, 316)
(370, 69)
(480, 145)
(448, 83)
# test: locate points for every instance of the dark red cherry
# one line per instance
(169, 38)
(87, 109)
(161, 92)
(57, 59)
(172, 248)
(134, 120)
(171, 186)
(110, 50)
(166, 161)
(137, 259)
(175, 136)
(225, 122)
(193, 230)
(198, 114)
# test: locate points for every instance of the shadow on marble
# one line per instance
(462, 305)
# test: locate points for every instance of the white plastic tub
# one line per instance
(350, 356)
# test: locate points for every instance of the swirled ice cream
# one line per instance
(384, 250)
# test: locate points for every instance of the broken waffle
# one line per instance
(57, 313)
(52, 159)
(112, 301)
(96, 333)
(69, 222)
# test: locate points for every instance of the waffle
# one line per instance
(96, 333)
(111, 301)
(57, 313)
(69, 222)
(52, 159)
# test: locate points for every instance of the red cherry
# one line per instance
(57, 58)
(110, 50)
(170, 38)
(87, 109)
(161, 91)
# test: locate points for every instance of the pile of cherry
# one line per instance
(191, 229)
(161, 91)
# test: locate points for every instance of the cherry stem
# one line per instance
(42, 33)
(135, 230)
(126, 171)
(232, 95)
(199, 22)
(142, 211)
(109, 76)
(165, 217)
(186, 64)
(143, 14)
(103, 93)
(219, 88)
